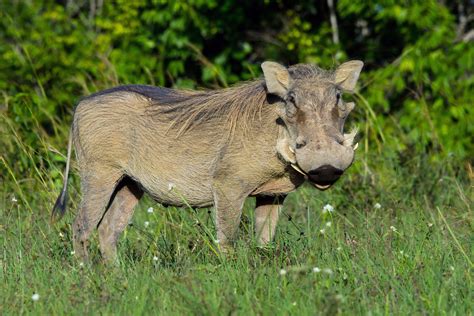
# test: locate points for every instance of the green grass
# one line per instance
(413, 255)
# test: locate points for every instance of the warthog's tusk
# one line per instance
(298, 169)
(291, 149)
(322, 187)
(355, 146)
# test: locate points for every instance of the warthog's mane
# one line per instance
(236, 106)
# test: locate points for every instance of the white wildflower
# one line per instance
(217, 241)
(282, 272)
(377, 206)
(328, 224)
(150, 210)
(328, 208)
(155, 258)
(322, 231)
(35, 297)
(339, 248)
(327, 271)
(72, 253)
(392, 228)
(316, 270)
(430, 225)
(146, 223)
(451, 268)
(61, 235)
(14, 200)
(171, 186)
(81, 264)
(294, 304)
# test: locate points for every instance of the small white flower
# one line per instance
(328, 224)
(136, 298)
(322, 231)
(150, 210)
(316, 270)
(294, 304)
(155, 258)
(171, 186)
(61, 235)
(377, 206)
(430, 225)
(73, 253)
(217, 241)
(339, 248)
(81, 264)
(14, 200)
(146, 223)
(401, 252)
(282, 272)
(35, 297)
(327, 271)
(328, 208)
(392, 228)
(451, 268)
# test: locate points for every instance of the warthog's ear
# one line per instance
(277, 78)
(348, 73)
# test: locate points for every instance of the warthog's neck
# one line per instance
(262, 156)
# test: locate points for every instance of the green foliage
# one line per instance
(423, 96)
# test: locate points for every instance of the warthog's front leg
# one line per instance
(228, 205)
(266, 217)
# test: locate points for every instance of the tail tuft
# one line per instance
(59, 208)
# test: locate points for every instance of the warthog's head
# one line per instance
(313, 112)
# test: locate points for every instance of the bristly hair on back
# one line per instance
(239, 105)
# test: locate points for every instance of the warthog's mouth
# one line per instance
(320, 185)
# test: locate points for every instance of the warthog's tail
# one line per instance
(59, 208)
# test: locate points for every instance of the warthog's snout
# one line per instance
(324, 176)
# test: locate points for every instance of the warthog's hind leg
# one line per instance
(97, 185)
(266, 217)
(116, 219)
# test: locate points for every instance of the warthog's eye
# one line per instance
(291, 98)
(338, 96)
(291, 106)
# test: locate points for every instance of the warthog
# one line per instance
(262, 138)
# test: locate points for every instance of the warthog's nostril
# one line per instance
(325, 174)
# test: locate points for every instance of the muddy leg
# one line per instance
(97, 188)
(116, 218)
(228, 205)
(266, 217)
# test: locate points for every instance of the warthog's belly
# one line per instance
(176, 195)
(177, 188)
